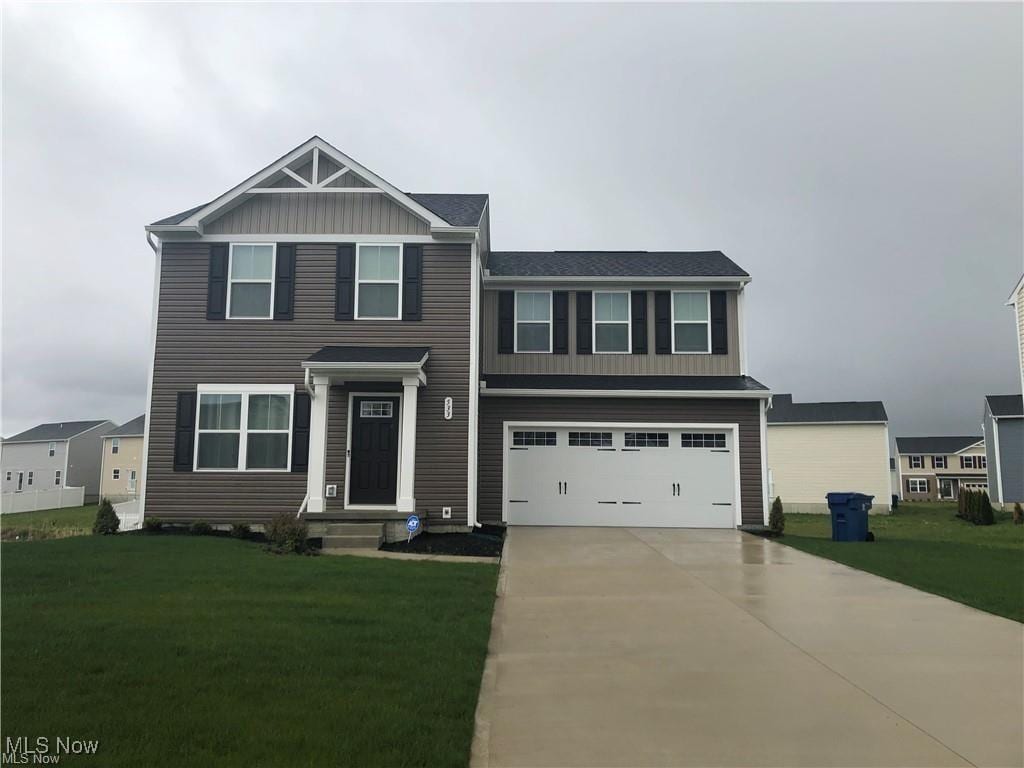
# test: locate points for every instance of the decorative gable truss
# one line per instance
(314, 167)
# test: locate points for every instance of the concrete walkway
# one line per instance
(654, 647)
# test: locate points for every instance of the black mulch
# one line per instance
(483, 542)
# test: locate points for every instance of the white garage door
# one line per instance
(682, 477)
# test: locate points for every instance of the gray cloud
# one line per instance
(863, 162)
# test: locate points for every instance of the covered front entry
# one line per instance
(633, 475)
(373, 455)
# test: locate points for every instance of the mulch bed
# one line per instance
(483, 542)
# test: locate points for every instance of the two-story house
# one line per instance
(122, 461)
(938, 468)
(1003, 421)
(54, 455)
(326, 343)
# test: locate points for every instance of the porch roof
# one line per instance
(380, 363)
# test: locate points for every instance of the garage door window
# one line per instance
(703, 439)
(591, 439)
(528, 439)
(647, 439)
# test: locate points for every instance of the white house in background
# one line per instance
(815, 448)
(48, 456)
(122, 461)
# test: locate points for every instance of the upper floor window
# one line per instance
(916, 462)
(691, 326)
(115, 444)
(244, 429)
(51, 449)
(611, 321)
(939, 462)
(378, 282)
(533, 321)
(251, 281)
(973, 462)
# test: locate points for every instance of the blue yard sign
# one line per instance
(412, 524)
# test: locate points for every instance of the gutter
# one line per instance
(675, 393)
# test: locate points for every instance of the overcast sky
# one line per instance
(862, 162)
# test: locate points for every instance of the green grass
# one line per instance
(49, 523)
(177, 650)
(926, 546)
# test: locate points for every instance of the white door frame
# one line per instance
(508, 426)
(348, 449)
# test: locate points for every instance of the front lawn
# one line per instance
(926, 546)
(48, 523)
(177, 650)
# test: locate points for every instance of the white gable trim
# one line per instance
(237, 194)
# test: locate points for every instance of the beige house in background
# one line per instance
(122, 461)
(938, 468)
(815, 448)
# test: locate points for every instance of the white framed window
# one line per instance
(376, 409)
(116, 474)
(131, 479)
(379, 282)
(8, 476)
(918, 485)
(244, 428)
(30, 478)
(533, 321)
(611, 322)
(251, 281)
(939, 462)
(115, 445)
(691, 322)
(916, 462)
(51, 449)
(56, 478)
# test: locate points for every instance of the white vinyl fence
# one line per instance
(129, 515)
(31, 501)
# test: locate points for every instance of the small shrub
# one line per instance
(240, 531)
(776, 518)
(200, 528)
(152, 525)
(106, 519)
(1018, 514)
(287, 534)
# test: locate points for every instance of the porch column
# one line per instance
(317, 444)
(407, 463)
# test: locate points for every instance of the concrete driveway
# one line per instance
(655, 647)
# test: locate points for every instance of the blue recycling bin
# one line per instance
(849, 515)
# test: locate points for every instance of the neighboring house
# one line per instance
(63, 454)
(328, 343)
(894, 478)
(122, 461)
(1004, 438)
(815, 448)
(938, 468)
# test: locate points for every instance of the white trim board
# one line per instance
(674, 393)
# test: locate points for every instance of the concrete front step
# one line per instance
(350, 529)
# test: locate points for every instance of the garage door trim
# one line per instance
(509, 426)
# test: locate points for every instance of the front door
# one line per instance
(947, 488)
(373, 462)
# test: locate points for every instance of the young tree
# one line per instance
(776, 518)
(106, 519)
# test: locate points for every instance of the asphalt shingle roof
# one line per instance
(1006, 405)
(681, 383)
(937, 445)
(612, 264)
(132, 428)
(457, 210)
(368, 355)
(785, 411)
(61, 430)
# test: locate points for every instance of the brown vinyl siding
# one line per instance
(494, 411)
(319, 213)
(572, 363)
(191, 350)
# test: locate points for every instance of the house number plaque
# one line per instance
(447, 409)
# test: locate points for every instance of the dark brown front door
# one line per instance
(374, 459)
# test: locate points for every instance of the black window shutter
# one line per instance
(560, 302)
(719, 324)
(506, 322)
(284, 283)
(184, 431)
(217, 285)
(300, 432)
(639, 325)
(345, 282)
(412, 282)
(584, 321)
(663, 322)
